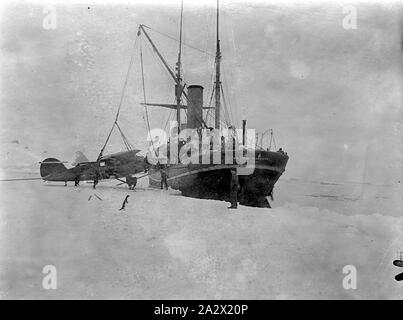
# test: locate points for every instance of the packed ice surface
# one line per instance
(166, 246)
(332, 95)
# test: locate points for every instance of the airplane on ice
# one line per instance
(114, 166)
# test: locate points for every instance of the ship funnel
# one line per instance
(195, 106)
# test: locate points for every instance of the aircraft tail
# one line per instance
(51, 166)
(80, 158)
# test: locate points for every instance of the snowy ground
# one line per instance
(165, 246)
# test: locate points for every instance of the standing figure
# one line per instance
(131, 182)
(96, 179)
(76, 181)
(164, 177)
(234, 189)
(271, 195)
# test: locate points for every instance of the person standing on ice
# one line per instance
(164, 178)
(96, 179)
(234, 189)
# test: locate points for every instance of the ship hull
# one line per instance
(213, 181)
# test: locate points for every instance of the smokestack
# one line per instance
(195, 106)
(243, 131)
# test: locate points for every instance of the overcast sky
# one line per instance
(332, 96)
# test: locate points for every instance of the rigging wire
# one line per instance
(144, 93)
(271, 139)
(225, 83)
(211, 85)
(157, 59)
(167, 72)
(126, 141)
(209, 105)
(274, 140)
(172, 38)
(169, 118)
(168, 69)
(120, 101)
(226, 114)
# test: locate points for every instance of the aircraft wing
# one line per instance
(122, 157)
(122, 164)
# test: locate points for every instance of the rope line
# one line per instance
(172, 38)
(120, 102)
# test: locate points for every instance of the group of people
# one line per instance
(234, 183)
(282, 151)
(77, 180)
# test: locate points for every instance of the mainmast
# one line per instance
(178, 85)
(217, 75)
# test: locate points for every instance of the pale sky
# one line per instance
(332, 96)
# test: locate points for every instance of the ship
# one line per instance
(211, 179)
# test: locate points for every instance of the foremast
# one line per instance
(178, 85)
(217, 74)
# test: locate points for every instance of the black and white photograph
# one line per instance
(201, 150)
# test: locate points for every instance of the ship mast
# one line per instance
(178, 85)
(217, 75)
(171, 73)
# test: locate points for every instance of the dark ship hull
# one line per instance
(212, 181)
